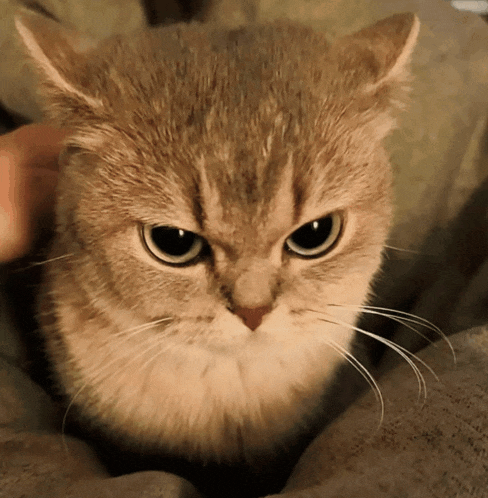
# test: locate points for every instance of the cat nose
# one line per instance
(252, 317)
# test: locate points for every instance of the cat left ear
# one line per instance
(379, 55)
(59, 55)
(373, 67)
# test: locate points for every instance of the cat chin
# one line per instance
(199, 401)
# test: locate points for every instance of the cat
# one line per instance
(223, 203)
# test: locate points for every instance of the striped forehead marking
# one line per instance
(234, 202)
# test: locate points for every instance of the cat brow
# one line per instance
(241, 186)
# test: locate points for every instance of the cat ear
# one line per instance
(374, 67)
(59, 55)
(379, 54)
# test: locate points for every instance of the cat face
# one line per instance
(223, 202)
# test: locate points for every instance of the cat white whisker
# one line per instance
(424, 321)
(123, 338)
(401, 320)
(400, 350)
(140, 328)
(154, 357)
(51, 260)
(100, 372)
(402, 317)
(152, 345)
(365, 373)
(65, 416)
(33, 264)
(401, 249)
(127, 334)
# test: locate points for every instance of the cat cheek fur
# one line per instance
(242, 137)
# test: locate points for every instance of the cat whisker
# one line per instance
(152, 344)
(420, 319)
(365, 373)
(404, 319)
(140, 328)
(400, 350)
(157, 355)
(129, 333)
(100, 376)
(51, 260)
(65, 416)
(126, 335)
(401, 249)
(33, 264)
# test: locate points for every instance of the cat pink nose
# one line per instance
(252, 317)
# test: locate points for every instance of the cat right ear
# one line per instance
(59, 56)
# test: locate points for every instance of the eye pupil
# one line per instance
(313, 234)
(172, 245)
(315, 238)
(173, 241)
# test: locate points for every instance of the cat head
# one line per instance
(230, 182)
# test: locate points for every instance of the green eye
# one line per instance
(172, 245)
(315, 238)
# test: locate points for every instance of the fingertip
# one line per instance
(16, 242)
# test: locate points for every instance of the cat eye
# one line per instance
(172, 245)
(315, 238)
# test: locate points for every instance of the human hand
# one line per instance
(28, 175)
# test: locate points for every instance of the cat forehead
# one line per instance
(241, 170)
(240, 100)
(206, 105)
(191, 71)
(224, 190)
(253, 47)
